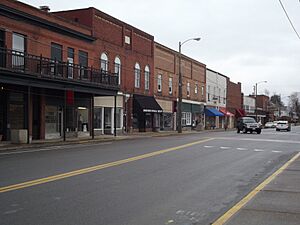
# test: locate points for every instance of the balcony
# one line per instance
(27, 65)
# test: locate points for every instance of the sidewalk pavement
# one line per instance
(7, 146)
(278, 203)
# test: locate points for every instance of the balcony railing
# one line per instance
(48, 68)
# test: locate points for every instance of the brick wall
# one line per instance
(167, 65)
(234, 96)
(110, 34)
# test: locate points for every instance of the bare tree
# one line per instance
(295, 103)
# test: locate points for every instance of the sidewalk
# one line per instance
(278, 203)
(7, 146)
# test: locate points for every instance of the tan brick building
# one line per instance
(166, 88)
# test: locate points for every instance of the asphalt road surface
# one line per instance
(178, 180)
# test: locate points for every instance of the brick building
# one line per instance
(47, 74)
(234, 102)
(127, 51)
(166, 88)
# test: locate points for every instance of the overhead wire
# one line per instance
(282, 6)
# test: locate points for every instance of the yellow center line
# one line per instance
(224, 218)
(94, 168)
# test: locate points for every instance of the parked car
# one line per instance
(248, 124)
(283, 125)
(270, 125)
(275, 123)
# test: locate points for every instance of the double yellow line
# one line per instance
(94, 168)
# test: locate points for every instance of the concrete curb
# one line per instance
(13, 147)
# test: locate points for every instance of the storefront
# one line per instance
(146, 113)
(228, 118)
(192, 116)
(104, 113)
(212, 118)
(167, 117)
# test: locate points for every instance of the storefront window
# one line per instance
(148, 120)
(168, 118)
(53, 121)
(83, 119)
(71, 119)
(186, 119)
(98, 118)
(16, 110)
(118, 117)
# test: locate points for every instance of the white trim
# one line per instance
(192, 102)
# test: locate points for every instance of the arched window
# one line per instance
(118, 68)
(104, 62)
(137, 75)
(147, 77)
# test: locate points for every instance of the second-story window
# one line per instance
(118, 68)
(159, 82)
(170, 85)
(202, 91)
(104, 62)
(56, 56)
(196, 88)
(137, 75)
(19, 47)
(224, 99)
(219, 95)
(208, 93)
(70, 62)
(188, 89)
(147, 78)
(83, 62)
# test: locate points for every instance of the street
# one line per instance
(180, 180)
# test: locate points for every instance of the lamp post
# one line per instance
(256, 97)
(179, 105)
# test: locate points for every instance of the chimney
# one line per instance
(45, 8)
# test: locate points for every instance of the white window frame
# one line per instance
(188, 89)
(147, 77)
(170, 85)
(159, 82)
(117, 63)
(196, 88)
(202, 91)
(186, 118)
(137, 75)
(104, 62)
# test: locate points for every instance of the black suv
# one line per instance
(246, 124)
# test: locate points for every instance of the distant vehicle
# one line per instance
(270, 125)
(283, 125)
(248, 124)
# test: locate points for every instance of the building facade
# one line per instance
(47, 76)
(128, 52)
(216, 85)
(166, 88)
(234, 101)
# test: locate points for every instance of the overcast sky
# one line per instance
(247, 40)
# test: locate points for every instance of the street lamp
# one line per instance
(256, 97)
(179, 105)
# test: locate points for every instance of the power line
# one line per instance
(289, 19)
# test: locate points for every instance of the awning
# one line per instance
(146, 104)
(225, 112)
(240, 112)
(213, 112)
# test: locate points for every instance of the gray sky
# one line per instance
(246, 40)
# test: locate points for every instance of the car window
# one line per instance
(249, 120)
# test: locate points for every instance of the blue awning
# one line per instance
(213, 112)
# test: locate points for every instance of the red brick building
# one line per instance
(47, 74)
(123, 49)
(235, 98)
(166, 88)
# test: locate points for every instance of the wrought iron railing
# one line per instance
(50, 68)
